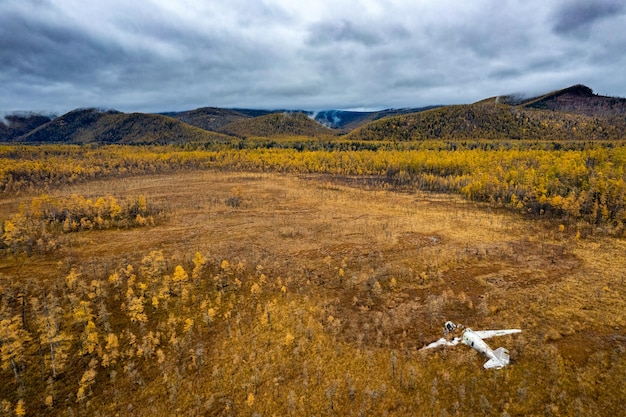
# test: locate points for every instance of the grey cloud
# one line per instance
(328, 33)
(346, 31)
(505, 73)
(577, 17)
(44, 51)
(174, 55)
(489, 30)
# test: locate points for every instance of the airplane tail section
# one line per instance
(500, 360)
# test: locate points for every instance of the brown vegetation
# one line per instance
(578, 181)
(308, 297)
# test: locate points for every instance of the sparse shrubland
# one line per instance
(574, 184)
(262, 292)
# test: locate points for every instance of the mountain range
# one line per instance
(571, 113)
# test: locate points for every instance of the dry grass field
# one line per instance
(315, 297)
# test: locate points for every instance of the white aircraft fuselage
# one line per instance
(498, 358)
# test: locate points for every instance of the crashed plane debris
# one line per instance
(498, 358)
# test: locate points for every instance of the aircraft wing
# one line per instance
(443, 342)
(486, 334)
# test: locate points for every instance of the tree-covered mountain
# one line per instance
(277, 124)
(110, 126)
(15, 125)
(213, 118)
(574, 113)
(578, 99)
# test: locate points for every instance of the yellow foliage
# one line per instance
(198, 263)
(289, 338)
(6, 406)
(179, 274)
(10, 232)
(20, 409)
(255, 289)
(188, 325)
(71, 278)
(114, 279)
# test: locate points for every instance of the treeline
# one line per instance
(585, 182)
(37, 226)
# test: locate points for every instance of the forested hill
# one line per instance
(491, 120)
(579, 99)
(276, 125)
(213, 118)
(97, 126)
(573, 113)
(13, 126)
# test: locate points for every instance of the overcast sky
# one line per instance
(162, 55)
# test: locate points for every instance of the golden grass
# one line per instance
(351, 281)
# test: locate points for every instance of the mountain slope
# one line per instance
(579, 99)
(276, 125)
(491, 120)
(16, 125)
(571, 113)
(95, 126)
(213, 118)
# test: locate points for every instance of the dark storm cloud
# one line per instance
(578, 16)
(46, 51)
(157, 55)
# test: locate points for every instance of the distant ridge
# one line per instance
(491, 120)
(110, 126)
(17, 124)
(276, 125)
(572, 113)
(577, 99)
(348, 120)
(213, 118)
(580, 99)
